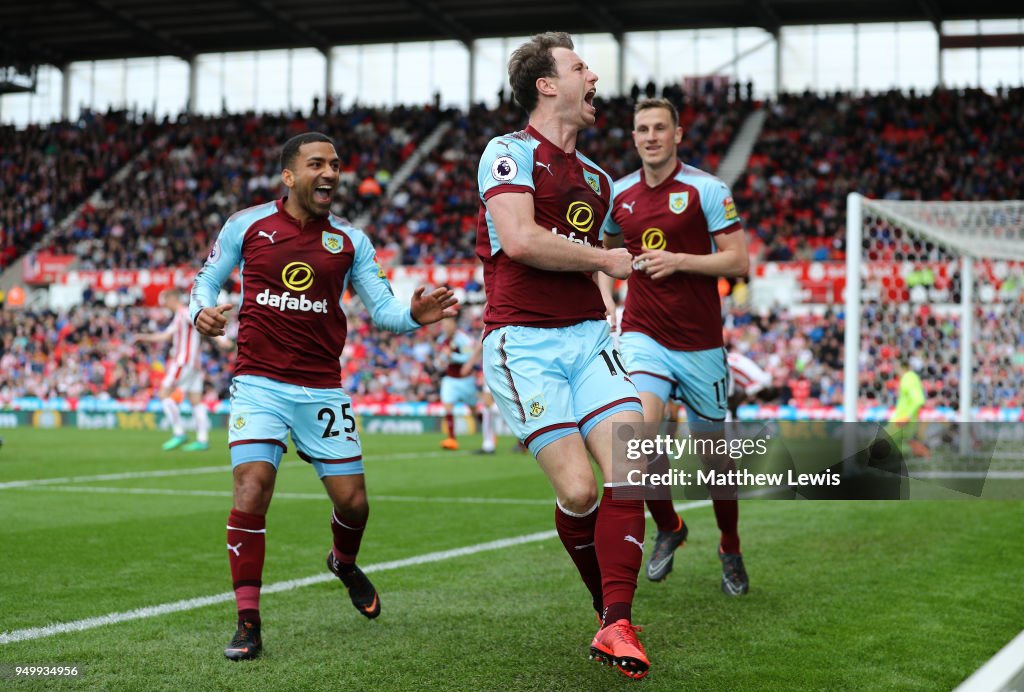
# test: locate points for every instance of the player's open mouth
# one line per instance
(322, 194)
(588, 98)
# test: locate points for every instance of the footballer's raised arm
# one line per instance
(372, 287)
(523, 240)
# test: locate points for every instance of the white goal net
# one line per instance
(941, 285)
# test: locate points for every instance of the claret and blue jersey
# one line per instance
(460, 351)
(684, 213)
(572, 197)
(292, 327)
(550, 363)
(672, 327)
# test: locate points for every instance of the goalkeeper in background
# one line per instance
(903, 424)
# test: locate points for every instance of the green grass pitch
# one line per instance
(844, 595)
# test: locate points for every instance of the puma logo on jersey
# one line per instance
(269, 237)
(234, 548)
(629, 206)
(545, 166)
(503, 143)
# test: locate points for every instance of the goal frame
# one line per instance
(901, 214)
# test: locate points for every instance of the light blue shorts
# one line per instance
(699, 379)
(458, 390)
(552, 382)
(322, 426)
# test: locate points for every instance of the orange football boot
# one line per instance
(618, 645)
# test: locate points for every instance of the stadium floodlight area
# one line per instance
(932, 274)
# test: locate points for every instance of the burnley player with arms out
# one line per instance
(682, 226)
(548, 355)
(296, 261)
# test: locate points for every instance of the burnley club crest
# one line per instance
(333, 243)
(678, 201)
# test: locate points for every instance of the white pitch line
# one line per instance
(999, 670)
(110, 490)
(968, 475)
(224, 468)
(288, 496)
(304, 496)
(193, 603)
(115, 476)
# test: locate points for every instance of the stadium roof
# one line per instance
(62, 31)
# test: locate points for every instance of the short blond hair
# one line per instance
(648, 104)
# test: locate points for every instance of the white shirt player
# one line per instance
(183, 365)
(184, 340)
(746, 375)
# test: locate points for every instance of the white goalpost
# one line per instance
(919, 276)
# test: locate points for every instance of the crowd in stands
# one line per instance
(930, 341)
(176, 195)
(89, 351)
(710, 122)
(187, 176)
(380, 367)
(432, 218)
(48, 170)
(814, 150)
(804, 353)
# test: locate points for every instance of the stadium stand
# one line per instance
(87, 352)
(709, 122)
(46, 171)
(185, 177)
(814, 150)
(179, 191)
(432, 218)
